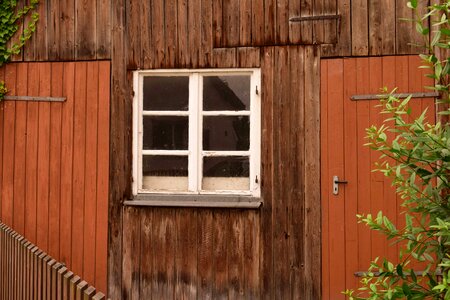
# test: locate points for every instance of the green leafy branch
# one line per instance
(11, 20)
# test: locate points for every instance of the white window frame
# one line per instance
(195, 114)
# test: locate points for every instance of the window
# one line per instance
(197, 132)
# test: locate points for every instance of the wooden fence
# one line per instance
(29, 273)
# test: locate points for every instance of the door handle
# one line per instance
(336, 183)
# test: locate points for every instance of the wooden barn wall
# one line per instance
(54, 162)
(370, 28)
(70, 30)
(271, 252)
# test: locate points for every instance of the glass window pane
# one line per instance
(165, 173)
(166, 93)
(165, 133)
(226, 92)
(226, 133)
(226, 173)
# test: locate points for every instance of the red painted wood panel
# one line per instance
(54, 162)
(349, 247)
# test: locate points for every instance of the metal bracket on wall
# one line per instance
(31, 98)
(319, 18)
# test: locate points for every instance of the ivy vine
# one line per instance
(11, 20)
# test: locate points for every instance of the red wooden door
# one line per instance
(349, 247)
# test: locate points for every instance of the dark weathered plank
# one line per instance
(267, 127)
(312, 168)
(205, 242)
(205, 58)
(67, 29)
(85, 29)
(132, 253)
(170, 34)
(360, 24)
(103, 34)
(230, 23)
(297, 172)
(133, 27)
(186, 261)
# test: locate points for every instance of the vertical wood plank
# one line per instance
(20, 150)
(183, 33)
(133, 39)
(146, 34)
(236, 255)
(55, 160)
(336, 203)
(103, 26)
(305, 27)
(131, 254)
(324, 146)
(257, 25)
(195, 34)
(102, 177)
(220, 234)
(205, 243)
(85, 29)
(164, 254)
(270, 7)
(9, 124)
(186, 261)
(297, 158)
(282, 22)
(364, 167)
(230, 23)
(147, 252)
(267, 166)
(53, 29)
(171, 34)
(158, 33)
(43, 158)
(312, 168)
(252, 255)
(79, 156)
(245, 22)
(217, 22)
(351, 149)
(294, 27)
(91, 172)
(360, 23)
(280, 144)
(67, 29)
(67, 145)
(206, 46)
(117, 147)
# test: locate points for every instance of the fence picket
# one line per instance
(29, 273)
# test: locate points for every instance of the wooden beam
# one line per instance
(31, 98)
(402, 95)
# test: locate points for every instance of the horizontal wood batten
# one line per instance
(31, 98)
(315, 18)
(376, 274)
(402, 95)
(207, 201)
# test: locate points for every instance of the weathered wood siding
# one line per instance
(181, 30)
(375, 28)
(272, 252)
(54, 161)
(70, 30)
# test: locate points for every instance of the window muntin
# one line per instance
(211, 145)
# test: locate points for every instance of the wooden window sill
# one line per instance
(200, 201)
